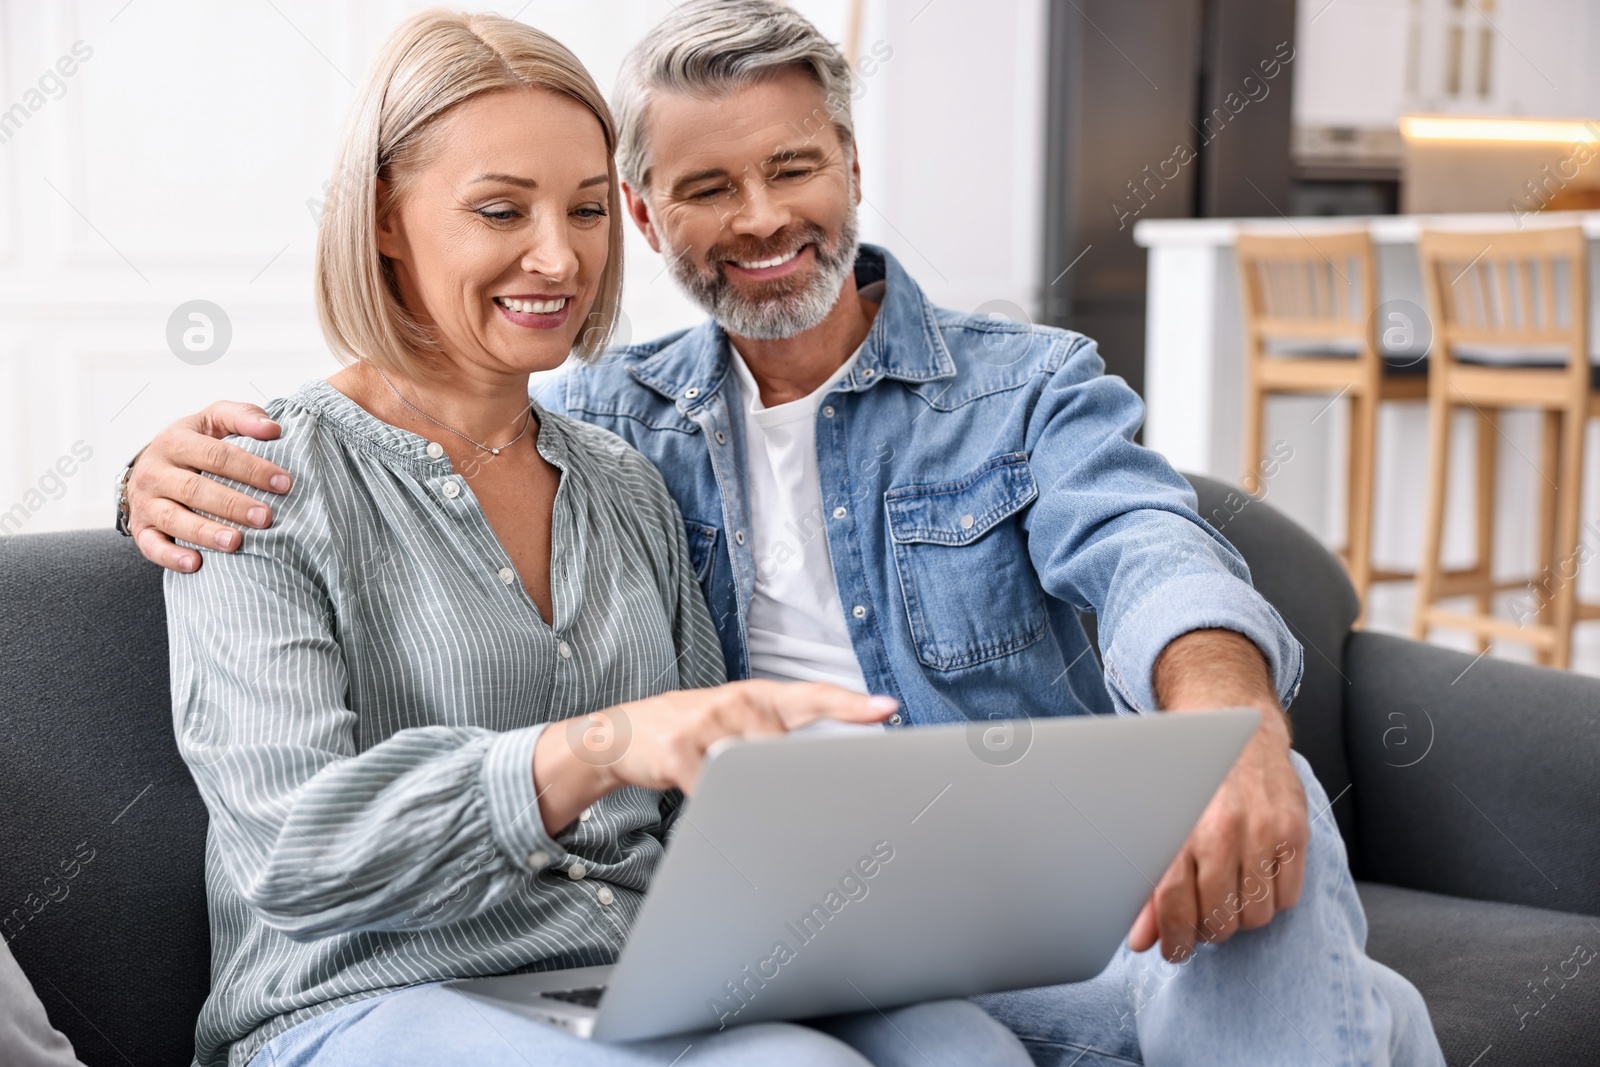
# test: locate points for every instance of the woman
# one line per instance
(363, 692)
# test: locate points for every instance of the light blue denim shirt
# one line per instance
(980, 489)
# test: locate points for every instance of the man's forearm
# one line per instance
(1214, 669)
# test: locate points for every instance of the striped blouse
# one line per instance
(358, 691)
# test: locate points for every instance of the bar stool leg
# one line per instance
(1569, 499)
(1549, 478)
(1439, 412)
(1487, 430)
(1359, 494)
(1255, 415)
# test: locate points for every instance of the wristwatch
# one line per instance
(122, 496)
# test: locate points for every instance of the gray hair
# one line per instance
(712, 47)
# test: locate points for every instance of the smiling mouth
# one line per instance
(765, 264)
(532, 307)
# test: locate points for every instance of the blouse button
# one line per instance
(565, 650)
(577, 871)
(507, 575)
(605, 896)
(538, 858)
(451, 489)
(585, 815)
(435, 450)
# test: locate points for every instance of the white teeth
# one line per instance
(764, 263)
(532, 307)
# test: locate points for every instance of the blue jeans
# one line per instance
(432, 1026)
(1299, 990)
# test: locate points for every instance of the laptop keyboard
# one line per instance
(588, 997)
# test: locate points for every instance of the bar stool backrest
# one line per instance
(1308, 295)
(1512, 298)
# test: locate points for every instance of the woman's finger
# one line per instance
(802, 704)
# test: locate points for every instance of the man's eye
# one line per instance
(798, 173)
(707, 194)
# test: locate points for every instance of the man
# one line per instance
(912, 501)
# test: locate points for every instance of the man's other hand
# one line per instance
(1245, 860)
(167, 485)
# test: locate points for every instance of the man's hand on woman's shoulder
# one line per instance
(166, 486)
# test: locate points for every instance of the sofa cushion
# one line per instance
(1309, 588)
(102, 859)
(1476, 779)
(1522, 982)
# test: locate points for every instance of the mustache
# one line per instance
(782, 243)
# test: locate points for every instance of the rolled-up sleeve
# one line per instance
(1115, 531)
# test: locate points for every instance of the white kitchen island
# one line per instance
(1194, 392)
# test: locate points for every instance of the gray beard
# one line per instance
(783, 314)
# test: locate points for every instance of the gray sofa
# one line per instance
(1470, 803)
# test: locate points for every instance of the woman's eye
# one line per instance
(591, 212)
(498, 214)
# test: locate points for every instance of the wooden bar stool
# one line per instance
(1511, 326)
(1310, 328)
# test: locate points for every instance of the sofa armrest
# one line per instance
(1482, 784)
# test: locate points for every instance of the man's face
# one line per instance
(752, 199)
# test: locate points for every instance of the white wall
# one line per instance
(177, 162)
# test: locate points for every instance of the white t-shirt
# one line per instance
(797, 627)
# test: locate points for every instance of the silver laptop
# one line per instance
(837, 872)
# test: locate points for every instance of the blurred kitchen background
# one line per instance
(1075, 162)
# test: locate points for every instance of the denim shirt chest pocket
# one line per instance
(970, 592)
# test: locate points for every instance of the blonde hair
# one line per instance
(430, 64)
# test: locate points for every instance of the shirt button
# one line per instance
(577, 871)
(507, 575)
(722, 438)
(827, 411)
(435, 450)
(867, 372)
(859, 612)
(738, 535)
(691, 393)
(585, 815)
(451, 489)
(538, 859)
(1296, 691)
(840, 512)
(966, 522)
(605, 896)
(565, 650)
(895, 719)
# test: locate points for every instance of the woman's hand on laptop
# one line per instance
(661, 742)
(166, 486)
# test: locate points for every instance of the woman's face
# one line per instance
(499, 241)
